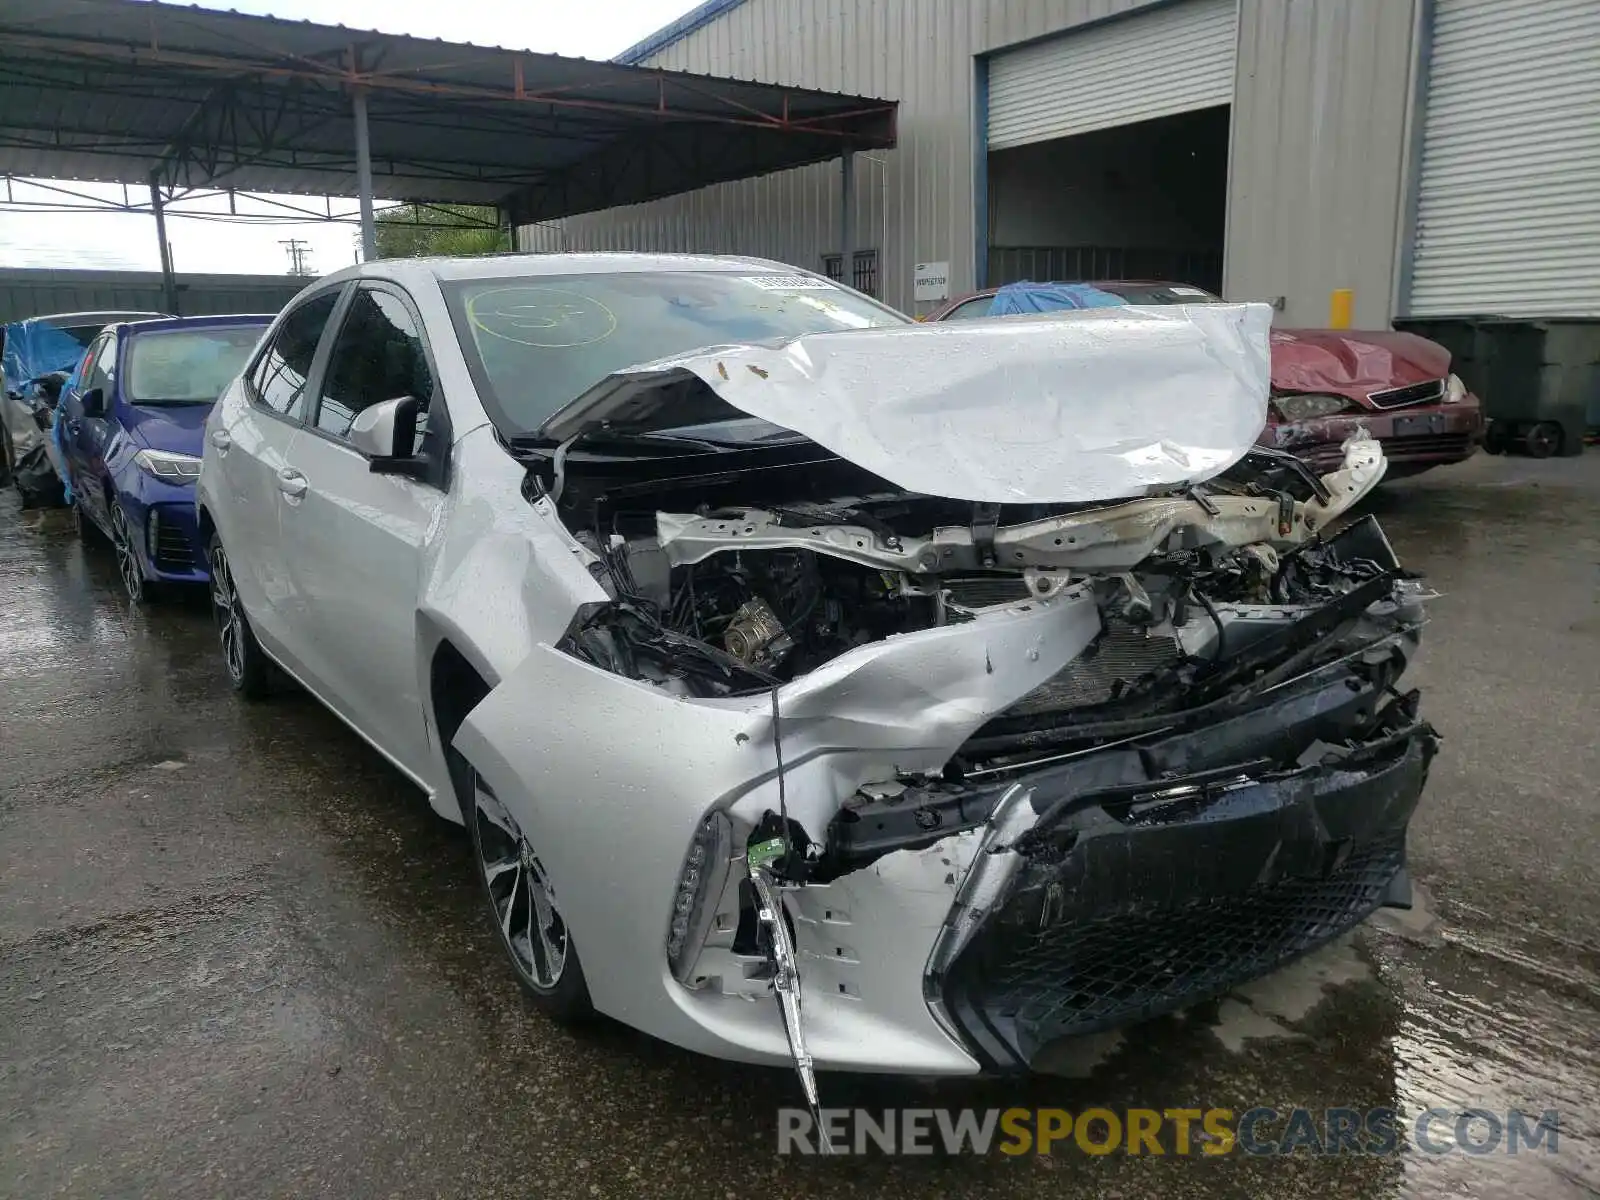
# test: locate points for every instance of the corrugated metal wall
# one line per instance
(1508, 201)
(1320, 109)
(1319, 154)
(31, 293)
(914, 203)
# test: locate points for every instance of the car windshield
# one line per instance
(186, 366)
(536, 343)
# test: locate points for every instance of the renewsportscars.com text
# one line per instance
(1167, 1131)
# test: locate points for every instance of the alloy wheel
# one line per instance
(230, 617)
(520, 894)
(127, 554)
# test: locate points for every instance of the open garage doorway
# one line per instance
(1140, 201)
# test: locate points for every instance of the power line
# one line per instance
(299, 252)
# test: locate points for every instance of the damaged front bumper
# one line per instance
(1096, 904)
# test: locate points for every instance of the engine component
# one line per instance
(756, 635)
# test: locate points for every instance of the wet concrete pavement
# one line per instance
(239, 957)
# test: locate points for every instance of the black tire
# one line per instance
(124, 545)
(1542, 439)
(249, 670)
(501, 853)
(83, 524)
(5, 452)
(1496, 438)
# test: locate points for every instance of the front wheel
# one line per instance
(523, 908)
(248, 669)
(127, 550)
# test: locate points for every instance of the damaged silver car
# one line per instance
(819, 687)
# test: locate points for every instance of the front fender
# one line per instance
(609, 778)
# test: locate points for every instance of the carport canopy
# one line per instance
(178, 97)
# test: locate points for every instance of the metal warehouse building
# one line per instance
(1434, 156)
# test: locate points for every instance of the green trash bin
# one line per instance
(1541, 382)
(1460, 336)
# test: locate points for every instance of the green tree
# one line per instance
(415, 230)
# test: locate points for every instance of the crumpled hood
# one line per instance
(1353, 363)
(1099, 404)
(176, 427)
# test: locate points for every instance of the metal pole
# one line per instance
(847, 219)
(369, 227)
(169, 281)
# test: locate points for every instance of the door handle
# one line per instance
(220, 439)
(291, 483)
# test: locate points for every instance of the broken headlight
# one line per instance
(1308, 407)
(700, 885)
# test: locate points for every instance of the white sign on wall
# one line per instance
(931, 281)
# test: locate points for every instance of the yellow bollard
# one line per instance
(1340, 305)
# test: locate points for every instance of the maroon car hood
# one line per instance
(1353, 362)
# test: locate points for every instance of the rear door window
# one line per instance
(277, 382)
(102, 373)
(378, 356)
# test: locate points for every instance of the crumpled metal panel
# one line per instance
(1099, 404)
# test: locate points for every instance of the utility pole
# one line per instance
(299, 252)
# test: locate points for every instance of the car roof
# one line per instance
(108, 317)
(510, 266)
(215, 320)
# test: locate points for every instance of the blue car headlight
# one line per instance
(168, 466)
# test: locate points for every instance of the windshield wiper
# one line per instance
(597, 438)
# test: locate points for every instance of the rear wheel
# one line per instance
(83, 524)
(1542, 439)
(522, 905)
(249, 671)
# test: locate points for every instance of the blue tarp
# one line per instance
(1019, 298)
(35, 348)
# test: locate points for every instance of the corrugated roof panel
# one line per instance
(105, 89)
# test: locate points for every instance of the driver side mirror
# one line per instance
(94, 403)
(385, 433)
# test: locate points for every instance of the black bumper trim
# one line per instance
(1132, 912)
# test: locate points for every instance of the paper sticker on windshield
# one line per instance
(1186, 291)
(790, 283)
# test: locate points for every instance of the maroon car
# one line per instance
(1327, 383)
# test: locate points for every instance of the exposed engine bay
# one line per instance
(1200, 594)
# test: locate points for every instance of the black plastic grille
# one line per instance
(1086, 975)
(1438, 443)
(173, 550)
(1415, 393)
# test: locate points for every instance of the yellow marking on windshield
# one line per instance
(543, 317)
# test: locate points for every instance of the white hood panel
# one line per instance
(1093, 405)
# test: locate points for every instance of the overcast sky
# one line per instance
(596, 29)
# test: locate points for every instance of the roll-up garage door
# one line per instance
(1176, 59)
(1508, 201)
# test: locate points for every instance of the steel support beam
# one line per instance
(847, 218)
(169, 281)
(369, 224)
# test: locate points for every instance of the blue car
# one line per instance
(129, 430)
